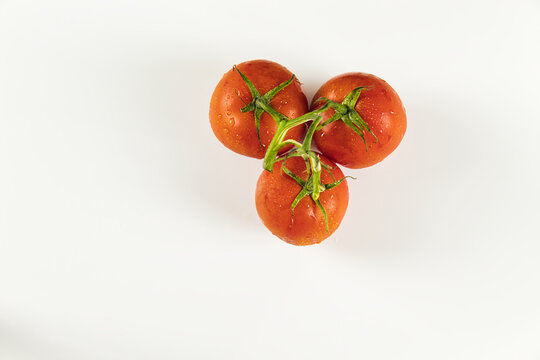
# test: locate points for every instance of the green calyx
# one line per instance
(347, 113)
(312, 186)
(344, 111)
(261, 103)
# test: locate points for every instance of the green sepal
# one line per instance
(322, 98)
(270, 94)
(303, 193)
(336, 183)
(252, 89)
(327, 169)
(347, 119)
(351, 99)
(295, 177)
(258, 113)
(318, 202)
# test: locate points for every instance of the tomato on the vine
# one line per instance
(237, 129)
(306, 225)
(378, 105)
(258, 109)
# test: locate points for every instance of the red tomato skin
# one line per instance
(276, 191)
(236, 130)
(379, 106)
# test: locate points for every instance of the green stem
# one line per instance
(311, 130)
(307, 117)
(316, 169)
(289, 142)
(284, 125)
(275, 145)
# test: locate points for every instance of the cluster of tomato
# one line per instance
(259, 109)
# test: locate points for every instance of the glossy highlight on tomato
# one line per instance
(276, 192)
(236, 130)
(378, 105)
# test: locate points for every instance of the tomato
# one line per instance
(276, 192)
(236, 130)
(378, 105)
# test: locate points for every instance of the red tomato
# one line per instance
(378, 105)
(276, 192)
(236, 130)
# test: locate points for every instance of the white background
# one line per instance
(127, 231)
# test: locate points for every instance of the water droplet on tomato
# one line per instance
(219, 116)
(231, 121)
(312, 213)
(226, 131)
(229, 112)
